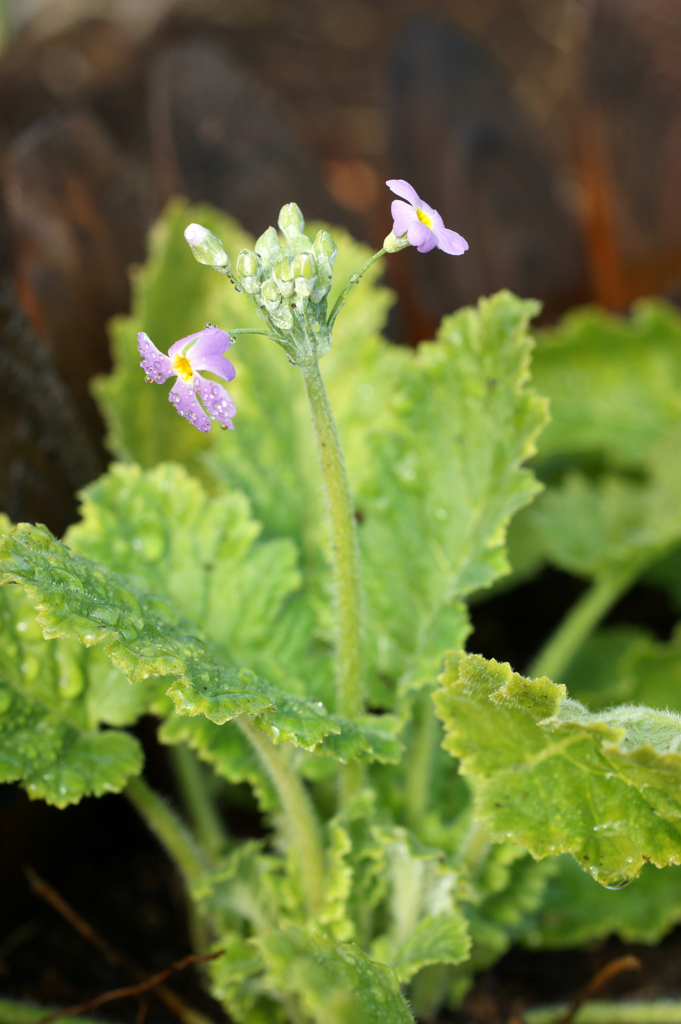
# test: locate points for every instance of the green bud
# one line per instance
(325, 249)
(206, 247)
(291, 221)
(248, 264)
(305, 274)
(282, 275)
(270, 295)
(249, 268)
(393, 244)
(268, 246)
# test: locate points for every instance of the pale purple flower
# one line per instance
(422, 224)
(201, 351)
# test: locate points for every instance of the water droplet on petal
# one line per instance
(147, 378)
(215, 390)
(236, 289)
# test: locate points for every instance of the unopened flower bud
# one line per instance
(291, 221)
(282, 275)
(270, 295)
(393, 244)
(325, 249)
(248, 267)
(305, 274)
(206, 247)
(268, 246)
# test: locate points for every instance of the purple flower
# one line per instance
(204, 350)
(421, 223)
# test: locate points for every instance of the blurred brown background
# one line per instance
(546, 131)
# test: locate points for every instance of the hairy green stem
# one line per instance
(299, 813)
(250, 330)
(419, 762)
(557, 653)
(355, 279)
(170, 830)
(198, 800)
(349, 700)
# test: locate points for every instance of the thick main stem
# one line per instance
(557, 654)
(344, 540)
(299, 813)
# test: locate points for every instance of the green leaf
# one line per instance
(551, 776)
(443, 480)
(336, 983)
(588, 527)
(143, 635)
(614, 382)
(427, 925)
(162, 530)
(576, 911)
(171, 297)
(53, 700)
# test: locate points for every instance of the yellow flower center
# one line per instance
(423, 217)
(182, 367)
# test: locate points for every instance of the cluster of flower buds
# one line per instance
(288, 282)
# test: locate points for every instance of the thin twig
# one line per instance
(130, 990)
(184, 1013)
(600, 978)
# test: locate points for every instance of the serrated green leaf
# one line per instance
(614, 382)
(226, 749)
(444, 478)
(51, 710)
(162, 530)
(576, 911)
(427, 925)
(589, 527)
(554, 778)
(336, 983)
(143, 635)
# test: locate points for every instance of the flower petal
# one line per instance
(183, 397)
(404, 190)
(154, 363)
(428, 243)
(216, 401)
(418, 233)
(212, 341)
(216, 364)
(403, 216)
(451, 242)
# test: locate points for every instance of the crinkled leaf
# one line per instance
(53, 700)
(427, 925)
(163, 531)
(226, 749)
(614, 382)
(336, 983)
(551, 776)
(590, 526)
(443, 480)
(143, 635)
